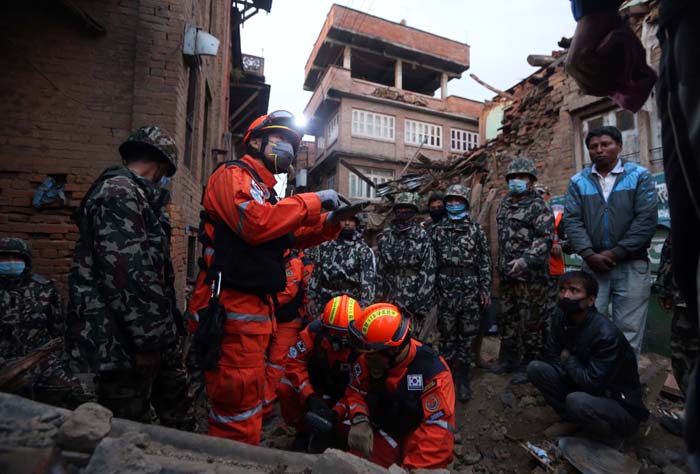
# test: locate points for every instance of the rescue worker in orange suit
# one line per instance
(245, 230)
(291, 317)
(317, 370)
(401, 399)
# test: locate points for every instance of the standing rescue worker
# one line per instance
(463, 284)
(525, 227)
(345, 265)
(246, 230)
(406, 268)
(317, 369)
(291, 317)
(401, 400)
(122, 318)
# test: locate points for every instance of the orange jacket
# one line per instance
(302, 354)
(234, 196)
(294, 290)
(556, 265)
(430, 445)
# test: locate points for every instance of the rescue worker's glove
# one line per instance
(329, 198)
(315, 404)
(517, 267)
(361, 436)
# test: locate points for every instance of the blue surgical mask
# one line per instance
(12, 268)
(517, 186)
(164, 181)
(282, 156)
(456, 211)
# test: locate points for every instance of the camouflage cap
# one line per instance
(151, 138)
(522, 165)
(458, 190)
(15, 245)
(406, 199)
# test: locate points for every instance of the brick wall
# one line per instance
(71, 96)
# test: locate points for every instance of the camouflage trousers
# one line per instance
(132, 395)
(459, 320)
(552, 303)
(685, 346)
(523, 316)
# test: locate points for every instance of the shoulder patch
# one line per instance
(292, 353)
(432, 403)
(414, 382)
(301, 346)
(357, 370)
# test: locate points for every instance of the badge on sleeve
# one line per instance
(292, 354)
(301, 346)
(357, 370)
(432, 403)
(257, 192)
(415, 381)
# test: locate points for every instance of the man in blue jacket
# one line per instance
(610, 217)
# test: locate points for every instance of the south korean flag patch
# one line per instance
(301, 346)
(415, 382)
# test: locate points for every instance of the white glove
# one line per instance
(361, 438)
(329, 198)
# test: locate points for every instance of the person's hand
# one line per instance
(600, 263)
(312, 309)
(518, 266)
(565, 354)
(329, 198)
(147, 363)
(485, 299)
(361, 438)
(609, 254)
(666, 302)
(315, 404)
(555, 251)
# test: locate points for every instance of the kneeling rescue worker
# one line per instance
(401, 399)
(318, 369)
(245, 231)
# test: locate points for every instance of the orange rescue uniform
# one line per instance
(556, 265)
(412, 411)
(234, 196)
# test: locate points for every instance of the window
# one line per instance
(626, 122)
(360, 189)
(189, 117)
(371, 125)
(426, 133)
(463, 140)
(205, 136)
(332, 129)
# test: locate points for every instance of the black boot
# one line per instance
(507, 360)
(464, 389)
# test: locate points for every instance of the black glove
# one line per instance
(315, 404)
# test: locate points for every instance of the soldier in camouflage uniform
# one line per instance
(685, 337)
(30, 316)
(122, 313)
(406, 264)
(463, 284)
(344, 266)
(525, 229)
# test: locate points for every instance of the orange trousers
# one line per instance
(284, 337)
(236, 388)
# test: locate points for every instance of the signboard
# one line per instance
(662, 200)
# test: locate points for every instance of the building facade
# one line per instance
(374, 108)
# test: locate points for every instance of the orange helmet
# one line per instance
(380, 326)
(339, 312)
(279, 121)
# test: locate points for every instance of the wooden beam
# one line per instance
(491, 88)
(540, 60)
(358, 173)
(245, 104)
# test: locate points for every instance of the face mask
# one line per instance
(437, 214)
(164, 181)
(517, 186)
(12, 268)
(570, 307)
(404, 215)
(347, 234)
(456, 211)
(281, 157)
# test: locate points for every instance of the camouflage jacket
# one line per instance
(121, 296)
(343, 267)
(406, 268)
(665, 286)
(463, 257)
(525, 229)
(30, 314)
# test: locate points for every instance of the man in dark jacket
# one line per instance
(589, 372)
(610, 218)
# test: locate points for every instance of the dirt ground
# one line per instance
(492, 426)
